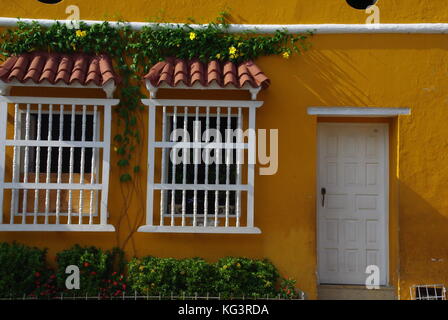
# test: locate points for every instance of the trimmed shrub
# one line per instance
(154, 276)
(229, 277)
(237, 277)
(96, 267)
(197, 276)
(45, 284)
(23, 271)
(20, 268)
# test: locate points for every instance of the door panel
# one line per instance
(352, 215)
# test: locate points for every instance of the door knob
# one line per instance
(323, 191)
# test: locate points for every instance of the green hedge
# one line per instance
(96, 266)
(167, 276)
(23, 271)
(229, 277)
(20, 269)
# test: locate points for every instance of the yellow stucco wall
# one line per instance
(339, 70)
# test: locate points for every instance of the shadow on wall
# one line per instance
(351, 70)
(329, 83)
(423, 238)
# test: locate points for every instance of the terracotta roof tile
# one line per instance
(55, 67)
(174, 71)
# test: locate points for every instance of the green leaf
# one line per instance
(123, 163)
(126, 177)
(121, 150)
(118, 138)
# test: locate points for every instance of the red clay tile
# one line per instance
(174, 71)
(214, 73)
(180, 72)
(106, 70)
(64, 69)
(54, 67)
(50, 69)
(93, 73)
(79, 70)
(197, 71)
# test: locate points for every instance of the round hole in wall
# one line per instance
(50, 1)
(361, 4)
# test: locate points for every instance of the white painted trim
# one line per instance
(151, 166)
(387, 203)
(198, 86)
(106, 165)
(252, 156)
(64, 101)
(52, 186)
(108, 88)
(219, 230)
(202, 187)
(325, 28)
(358, 111)
(3, 127)
(152, 186)
(200, 145)
(56, 143)
(202, 103)
(58, 227)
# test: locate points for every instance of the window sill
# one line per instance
(200, 229)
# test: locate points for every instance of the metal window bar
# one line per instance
(428, 292)
(194, 188)
(46, 201)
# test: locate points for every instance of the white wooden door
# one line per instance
(352, 202)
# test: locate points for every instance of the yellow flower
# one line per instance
(238, 265)
(80, 33)
(225, 267)
(232, 50)
(218, 56)
(285, 55)
(142, 268)
(192, 35)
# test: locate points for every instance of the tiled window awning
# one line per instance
(194, 74)
(56, 69)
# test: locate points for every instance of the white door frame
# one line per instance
(386, 192)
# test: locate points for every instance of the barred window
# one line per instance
(201, 166)
(219, 173)
(57, 168)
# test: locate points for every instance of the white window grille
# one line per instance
(210, 189)
(54, 159)
(428, 292)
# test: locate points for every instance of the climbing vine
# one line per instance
(133, 52)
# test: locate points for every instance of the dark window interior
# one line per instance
(428, 293)
(66, 137)
(201, 168)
